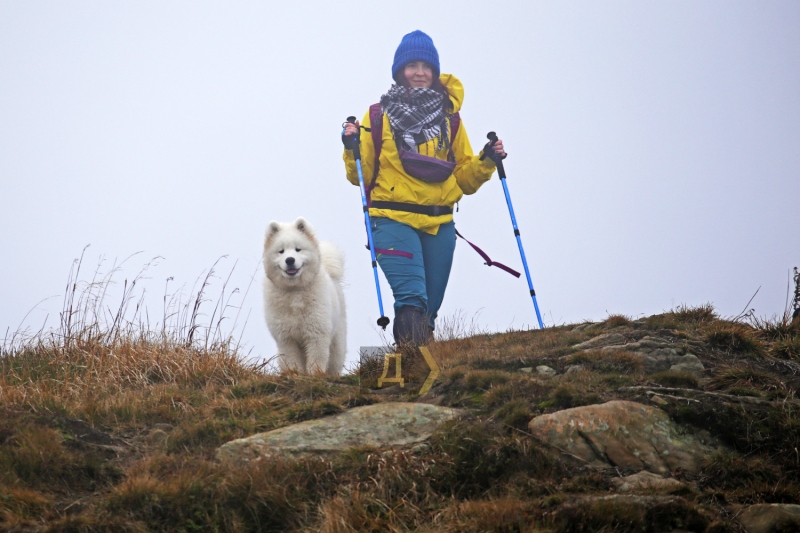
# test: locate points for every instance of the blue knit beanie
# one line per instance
(415, 46)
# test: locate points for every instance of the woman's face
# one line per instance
(418, 74)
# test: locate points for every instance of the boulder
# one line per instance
(687, 363)
(646, 344)
(392, 424)
(545, 370)
(623, 434)
(645, 480)
(574, 368)
(771, 518)
(606, 339)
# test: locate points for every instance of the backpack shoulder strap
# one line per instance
(455, 122)
(376, 129)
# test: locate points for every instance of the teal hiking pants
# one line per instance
(416, 264)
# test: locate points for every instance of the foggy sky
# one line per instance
(654, 150)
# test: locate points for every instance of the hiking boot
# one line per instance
(411, 327)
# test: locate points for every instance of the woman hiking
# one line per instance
(425, 166)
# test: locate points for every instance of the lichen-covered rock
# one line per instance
(545, 370)
(624, 434)
(646, 344)
(606, 339)
(771, 518)
(657, 354)
(687, 363)
(391, 424)
(645, 480)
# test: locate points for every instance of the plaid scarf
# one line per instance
(416, 115)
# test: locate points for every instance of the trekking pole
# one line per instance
(353, 144)
(492, 136)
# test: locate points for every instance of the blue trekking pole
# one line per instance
(352, 143)
(492, 136)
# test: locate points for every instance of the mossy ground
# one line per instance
(118, 434)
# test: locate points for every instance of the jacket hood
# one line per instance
(455, 89)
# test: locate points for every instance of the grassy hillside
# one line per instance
(104, 429)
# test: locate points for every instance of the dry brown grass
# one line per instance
(735, 339)
(510, 350)
(102, 380)
(498, 515)
(683, 317)
(728, 377)
(614, 321)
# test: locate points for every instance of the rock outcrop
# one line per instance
(623, 434)
(544, 370)
(771, 518)
(382, 425)
(645, 480)
(657, 354)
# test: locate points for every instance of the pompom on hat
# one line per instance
(415, 46)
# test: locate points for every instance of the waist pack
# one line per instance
(425, 168)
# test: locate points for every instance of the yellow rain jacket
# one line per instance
(394, 185)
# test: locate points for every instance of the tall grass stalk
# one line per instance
(100, 349)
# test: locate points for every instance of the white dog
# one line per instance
(303, 298)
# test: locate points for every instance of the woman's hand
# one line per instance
(350, 135)
(499, 152)
(498, 149)
(350, 128)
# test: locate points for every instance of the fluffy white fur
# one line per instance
(303, 298)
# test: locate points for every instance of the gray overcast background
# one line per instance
(654, 149)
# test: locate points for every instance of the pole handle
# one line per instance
(492, 136)
(351, 142)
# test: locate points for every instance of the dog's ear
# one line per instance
(304, 227)
(272, 229)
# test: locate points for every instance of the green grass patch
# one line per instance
(615, 381)
(514, 414)
(567, 396)
(483, 379)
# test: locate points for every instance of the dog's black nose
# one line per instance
(290, 261)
